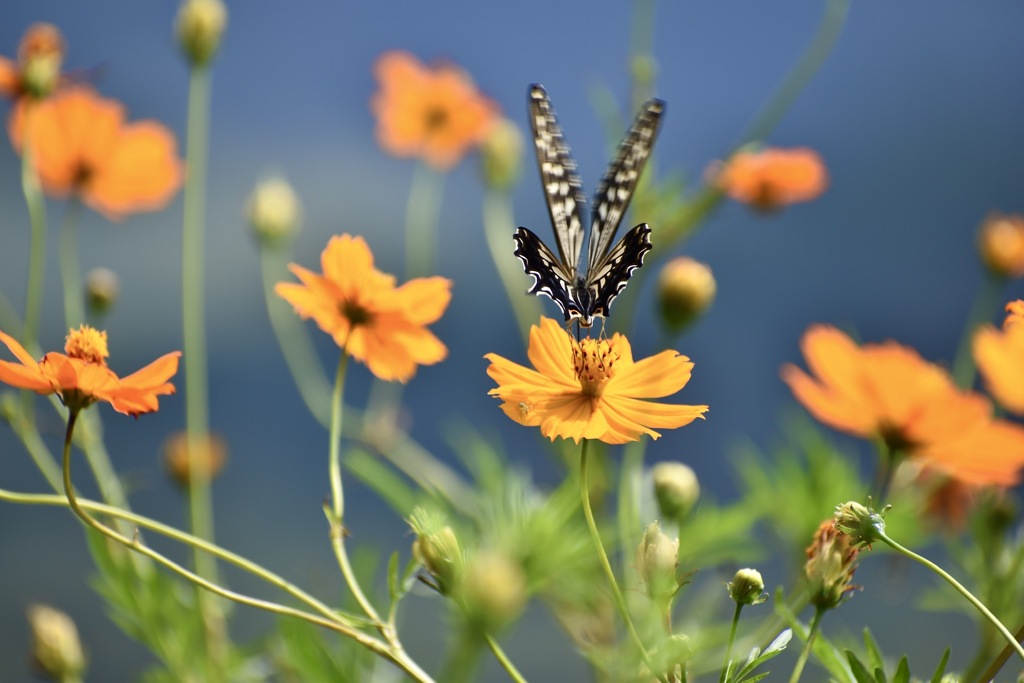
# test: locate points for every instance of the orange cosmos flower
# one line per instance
(81, 145)
(433, 113)
(81, 377)
(375, 322)
(1000, 358)
(37, 70)
(888, 391)
(591, 389)
(771, 178)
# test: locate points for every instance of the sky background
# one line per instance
(918, 115)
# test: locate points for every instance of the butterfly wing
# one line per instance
(549, 275)
(563, 190)
(616, 189)
(608, 277)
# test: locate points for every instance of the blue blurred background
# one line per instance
(918, 115)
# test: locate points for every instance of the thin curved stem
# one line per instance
(498, 228)
(503, 659)
(336, 514)
(331, 620)
(978, 604)
(1000, 661)
(732, 639)
(812, 633)
(421, 217)
(620, 601)
(70, 274)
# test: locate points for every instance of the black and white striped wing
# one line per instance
(608, 277)
(616, 189)
(549, 275)
(563, 190)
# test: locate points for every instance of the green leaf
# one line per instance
(874, 652)
(902, 674)
(860, 672)
(940, 671)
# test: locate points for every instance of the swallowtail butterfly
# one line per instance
(583, 297)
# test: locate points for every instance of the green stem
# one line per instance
(421, 218)
(978, 605)
(70, 275)
(336, 515)
(641, 49)
(985, 306)
(503, 659)
(37, 249)
(332, 620)
(498, 228)
(295, 343)
(194, 329)
(800, 75)
(812, 633)
(890, 461)
(1000, 661)
(732, 639)
(629, 489)
(602, 556)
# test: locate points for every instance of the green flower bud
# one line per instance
(102, 287)
(747, 587)
(862, 524)
(199, 29)
(686, 288)
(437, 548)
(831, 561)
(676, 489)
(657, 557)
(56, 650)
(501, 155)
(493, 590)
(274, 211)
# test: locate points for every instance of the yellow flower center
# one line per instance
(594, 362)
(88, 344)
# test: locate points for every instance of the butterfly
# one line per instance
(583, 297)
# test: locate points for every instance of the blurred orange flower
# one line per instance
(771, 178)
(433, 113)
(37, 70)
(999, 355)
(591, 389)
(82, 377)
(81, 145)
(375, 322)
(888, 391)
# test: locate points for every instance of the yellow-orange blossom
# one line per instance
(81, 377)
(372, 320)
(591, 389)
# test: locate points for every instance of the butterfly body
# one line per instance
(585, 296)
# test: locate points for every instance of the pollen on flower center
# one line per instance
(594, 363)
(87, 344)
(355, 314)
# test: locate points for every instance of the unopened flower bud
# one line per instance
(657, 557)
(40, 57)
(747, 587)
(211, 454)
(676, 489)
(199, 28)
(831, 560)
(862, 524)
(441, 555)
(686, 289)
(669, 657)
(501, 155)
(56, 651)
(1001, 244)
(493, 590)
(274, 211)
(101, 289)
